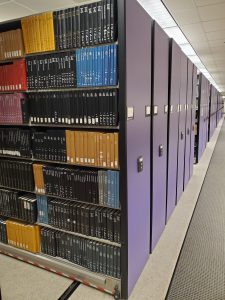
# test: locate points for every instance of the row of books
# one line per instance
(15, 142)
(93, 107)
(24, 236)
(38, 33)
(11, 44)
(13, 76)
(14, 109)
(103, 223)
(97, 66)
(56, 70)
(86, 25)
(95, 256)
(49, 145)
(96, 187)
(3, 231)
(92, 148)
(14, 174)
(13, 205)
(75, 147)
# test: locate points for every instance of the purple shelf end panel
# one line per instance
(174, 101)
(194, 82)
(188, 125)
(182, 119)
(138, 90)
(159, 132)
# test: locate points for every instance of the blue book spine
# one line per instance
(38, 209)
(113, 195)
(98, 70)
(117, 200)
(111, 65)
(91, 66)
(78, 67)
(90, 81)
(46, 210)
(106, 65)
(109, 189)
(94, 69)
(101, 66)
(85, 52)
(87, 67)
(115, 65)
(81, 67)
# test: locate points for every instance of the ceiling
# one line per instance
(201, 21)
(203, 24)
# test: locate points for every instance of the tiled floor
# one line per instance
(22, 282)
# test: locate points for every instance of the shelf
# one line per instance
(64, 268)
(69, 50)
(56, 197)
(56, 162)
(88, 237)
(69, 89)
(72, 126)
(9, 60)
(12, 92)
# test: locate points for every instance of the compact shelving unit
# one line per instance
(134, 73)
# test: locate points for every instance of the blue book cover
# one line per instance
(98, 71)
(115, 65)
(94, 70)
(117, 189)
(78, 66)
(109, 200)
(91, 55)
(39, 210)
(88, 50)
(113, 190)
(85, 66)
(46, 209)
(82, 69)
(111, 65)
(106, 65)
(102, 67)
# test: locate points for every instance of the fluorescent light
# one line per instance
(187, 49)
(194, 58)
(157, 10)
(176, 34)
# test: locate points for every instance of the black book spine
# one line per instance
(74, 28)
(82, 26)
(100, 22)
(95, 22)
(108, 19)
(113, 20)
(78, 27)
(86, 25)
(90, 20)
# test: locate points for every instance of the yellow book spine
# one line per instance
(37, 238)
(112, 151)
(50, 26)
(116, 140)
(77, 148)
(68, 146)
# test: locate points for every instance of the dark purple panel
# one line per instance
(188, 125)
(159, 132)
(174, 101)
(181, 135)
(193, 115)
(138, 71)
(201, 117)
